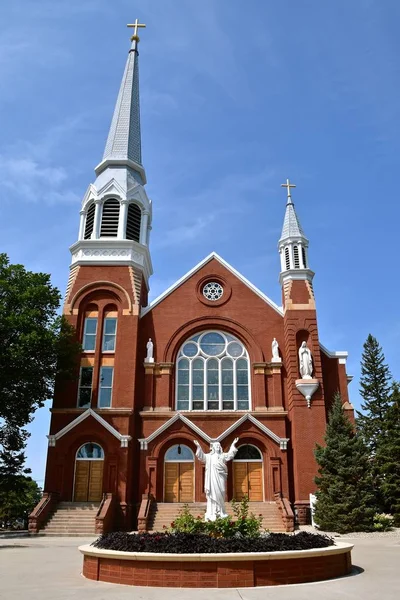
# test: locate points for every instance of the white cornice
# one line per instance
(341, 355)
(296, 275)
(201, 264)
(111, 251)
(144, 442)
(124, 439)
(121, 162)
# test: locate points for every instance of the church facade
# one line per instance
(211, 359)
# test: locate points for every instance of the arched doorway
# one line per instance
(247, 474)
(89, 473)
(179, 474)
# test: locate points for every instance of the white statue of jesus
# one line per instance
(216, 476)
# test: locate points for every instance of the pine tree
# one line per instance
(388, 457)
(345, 499)
(375, 388)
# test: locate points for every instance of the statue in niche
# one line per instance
(150, 350)
(216, 476)
(275, 349)
(305, 361)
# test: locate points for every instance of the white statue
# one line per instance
(216, 476)
(275, 348)
(150, 348)
(305, 361)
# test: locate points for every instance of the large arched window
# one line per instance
(109, 219)
(213, 373)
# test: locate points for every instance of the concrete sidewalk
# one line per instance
(45, 568)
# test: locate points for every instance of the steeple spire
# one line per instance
(293, 244)
(123, 146)
(116, 212)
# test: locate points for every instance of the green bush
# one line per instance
(243, 523)
(383, 522)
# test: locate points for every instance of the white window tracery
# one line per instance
(213, 373)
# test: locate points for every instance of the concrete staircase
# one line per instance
(163, 513)
(72, 519)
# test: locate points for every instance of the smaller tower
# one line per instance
(293, 245)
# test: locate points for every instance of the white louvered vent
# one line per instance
(89, 222)
(133, 223)
(109, 220)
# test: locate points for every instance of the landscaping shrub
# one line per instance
(244, 522)
(383, 522)
(195, 543)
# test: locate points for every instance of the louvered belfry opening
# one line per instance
(296, 258)
(303, 251)
(133, 223)
(109, 220)
(89, 222)
(287, 259)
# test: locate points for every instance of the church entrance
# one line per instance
(89, 473)
(179, 474)
(247, 474)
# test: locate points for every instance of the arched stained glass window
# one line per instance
(247, 453)
(179, 453)
(90, 451)
(213, 373)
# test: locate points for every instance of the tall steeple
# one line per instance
(293, 244)
(116, 213)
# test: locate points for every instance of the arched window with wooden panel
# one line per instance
(89, 223)
(248, 474)
(89, 462)
(109, 218)
(179, 474)
(133, 222)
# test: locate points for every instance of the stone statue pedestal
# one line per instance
(276, 360)
(149, 360)
(307, 387)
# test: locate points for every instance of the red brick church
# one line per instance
(211, 359)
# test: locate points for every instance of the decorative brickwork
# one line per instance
(202, 571)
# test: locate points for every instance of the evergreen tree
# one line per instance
(388, 457)
(345, 500)
(375, 388)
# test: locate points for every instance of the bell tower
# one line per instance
(306, 409)
(115, 218)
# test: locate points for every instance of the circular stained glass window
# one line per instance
(189, 349)
(235, 349)
(212, 344)
(213, 291)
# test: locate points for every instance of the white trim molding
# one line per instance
(144, 442)
(124, 439)
(341, 355)
(201, 264)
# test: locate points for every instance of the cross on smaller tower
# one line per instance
(288, 185)
(135, 25)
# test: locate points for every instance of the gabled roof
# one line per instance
(144, 442)
(199, 266)
(124, 439)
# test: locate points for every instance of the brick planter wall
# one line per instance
(216, 570)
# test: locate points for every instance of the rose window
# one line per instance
(213, 291)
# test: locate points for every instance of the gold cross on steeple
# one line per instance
(135, 25)
(288, 185)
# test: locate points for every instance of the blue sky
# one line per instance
(234, 100)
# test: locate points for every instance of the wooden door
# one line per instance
(88, 481)
(178, 482)
(247, 481)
